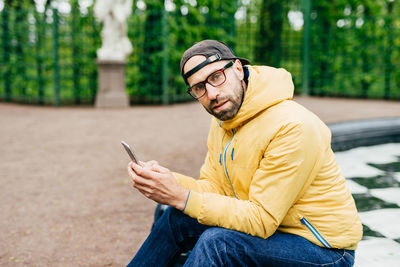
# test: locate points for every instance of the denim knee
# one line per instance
(213, 240)
(210, 249)
(213, 235)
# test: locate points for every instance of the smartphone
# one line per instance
(130, 152)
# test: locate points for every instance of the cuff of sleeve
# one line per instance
(193, 204)
(186, 201)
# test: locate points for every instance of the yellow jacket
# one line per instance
(272, 168)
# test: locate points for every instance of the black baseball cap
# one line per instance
(213, 51)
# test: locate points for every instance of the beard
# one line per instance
(234, 100)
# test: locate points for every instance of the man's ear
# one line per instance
(237, 66)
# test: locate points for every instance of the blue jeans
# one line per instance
(176, 232)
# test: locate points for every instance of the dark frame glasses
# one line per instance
(199, 89)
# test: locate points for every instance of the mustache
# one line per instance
(216, 102)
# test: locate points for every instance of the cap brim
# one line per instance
(244, 61)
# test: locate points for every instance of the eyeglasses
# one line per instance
(216, 78)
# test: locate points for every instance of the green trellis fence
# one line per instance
(48, 57)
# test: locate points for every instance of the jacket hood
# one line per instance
(267, 86)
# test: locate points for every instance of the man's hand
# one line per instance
(157, 183)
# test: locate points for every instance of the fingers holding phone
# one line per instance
(155, 182)
(141, 176)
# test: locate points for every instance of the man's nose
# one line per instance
(212, 92)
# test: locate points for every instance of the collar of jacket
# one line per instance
(267, 87)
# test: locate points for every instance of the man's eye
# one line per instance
(215, 77)
(198, 87)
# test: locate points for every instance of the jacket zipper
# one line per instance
(315, 232)
(224, 160)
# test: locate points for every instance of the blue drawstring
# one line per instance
(233, 149)
(220, 159)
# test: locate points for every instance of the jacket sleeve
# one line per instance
(289, 161)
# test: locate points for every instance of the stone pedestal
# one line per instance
(111, 85)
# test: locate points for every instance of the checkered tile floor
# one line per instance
(373, 176)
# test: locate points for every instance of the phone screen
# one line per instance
(130, 152)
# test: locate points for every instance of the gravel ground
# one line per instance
(66, 199)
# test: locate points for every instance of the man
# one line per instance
(270, 191)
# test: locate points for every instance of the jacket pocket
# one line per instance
(315, 232)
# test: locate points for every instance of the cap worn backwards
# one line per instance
(213, 51)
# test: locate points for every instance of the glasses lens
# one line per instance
(217, 78)
(197, 90)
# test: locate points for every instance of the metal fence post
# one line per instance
(164, 67)
(56, 69)
(389, 48)
(6, 46)
(39, 57)
(93, 70)
(21, 32)
(306, 7)
(76, 23)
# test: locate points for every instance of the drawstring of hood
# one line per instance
(222, 161)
